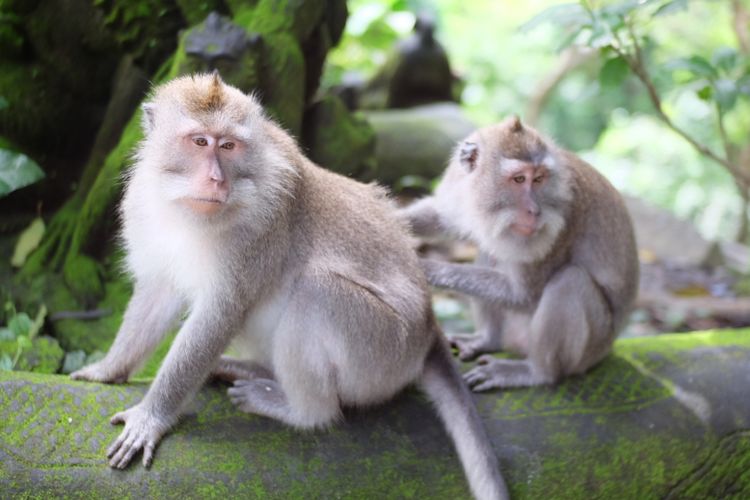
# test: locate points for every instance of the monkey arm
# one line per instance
(199, 344)
(423, 217)
(481, 282)
(151, 312)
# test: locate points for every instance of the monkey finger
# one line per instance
(114, 447)
(485, 359)
(235, 392)
(240, 382)
(124, 453)
(118, 418)
(466, 354)
(148, 453)
(485, 386)
(474, 376)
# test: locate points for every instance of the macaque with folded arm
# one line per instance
(557, 270)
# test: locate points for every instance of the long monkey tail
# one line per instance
(443, 384)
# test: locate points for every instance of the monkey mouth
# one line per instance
(204, 205)
(526, 230)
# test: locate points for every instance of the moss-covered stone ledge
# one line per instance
(666, 416)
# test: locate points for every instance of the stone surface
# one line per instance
(665, 416)
(417, 141)
(663, 236)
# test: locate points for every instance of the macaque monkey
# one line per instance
(308, 274)
(557, 270)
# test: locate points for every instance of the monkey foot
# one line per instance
(493, 373)
(230, 370)
(469, 346)
(260, 396)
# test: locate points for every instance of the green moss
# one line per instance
(283, 85)
(143, 28)
(339, 140)
(90, 335)
(669, 344)
(83, 276)
(195, 11)
(597, 443)
(11, 38)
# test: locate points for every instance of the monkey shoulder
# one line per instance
(356, 235)
(602, 239)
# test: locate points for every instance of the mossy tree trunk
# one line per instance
(282, 60)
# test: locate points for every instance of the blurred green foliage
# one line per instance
(20, 329)
(504, 51)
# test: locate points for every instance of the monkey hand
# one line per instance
(143, 430)
(486, 375)
(469, 346)
(101, 371)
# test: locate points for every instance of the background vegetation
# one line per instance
(556, 63)
(653, 92)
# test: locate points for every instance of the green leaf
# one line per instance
(621, 9)
(20, 324)
(6, 363)
(671, 7)
(724, 58)
(7, 334)
(16, 171)
(27, 242)
(568, 14)
(743, 85)
(601, 35)
(613, 72)
(696, 65)
(94, 357)
(725, 94)
(3, 103)
(36, 326)
(706, 93)
(24, 342)
(74, 360)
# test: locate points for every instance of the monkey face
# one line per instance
(208, 151)
(513, 191)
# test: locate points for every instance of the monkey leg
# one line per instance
(488, 337)
(302, 393)
(570, 331)
(229, 369)
(311, 407)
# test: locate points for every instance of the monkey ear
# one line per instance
(467, 154)
(149, 111)
(515, 124)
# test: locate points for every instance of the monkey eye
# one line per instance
(200, 141)
(228, 146)
(538, 180)
(519, 179)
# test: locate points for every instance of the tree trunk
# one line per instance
(281, 59)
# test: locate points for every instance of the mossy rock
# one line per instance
(663, 417)
(89, 335)
(339, 140)
(44, 356)
(417, 141)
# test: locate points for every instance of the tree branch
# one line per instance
(570, 59)
(637, 66)
(740, 23)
